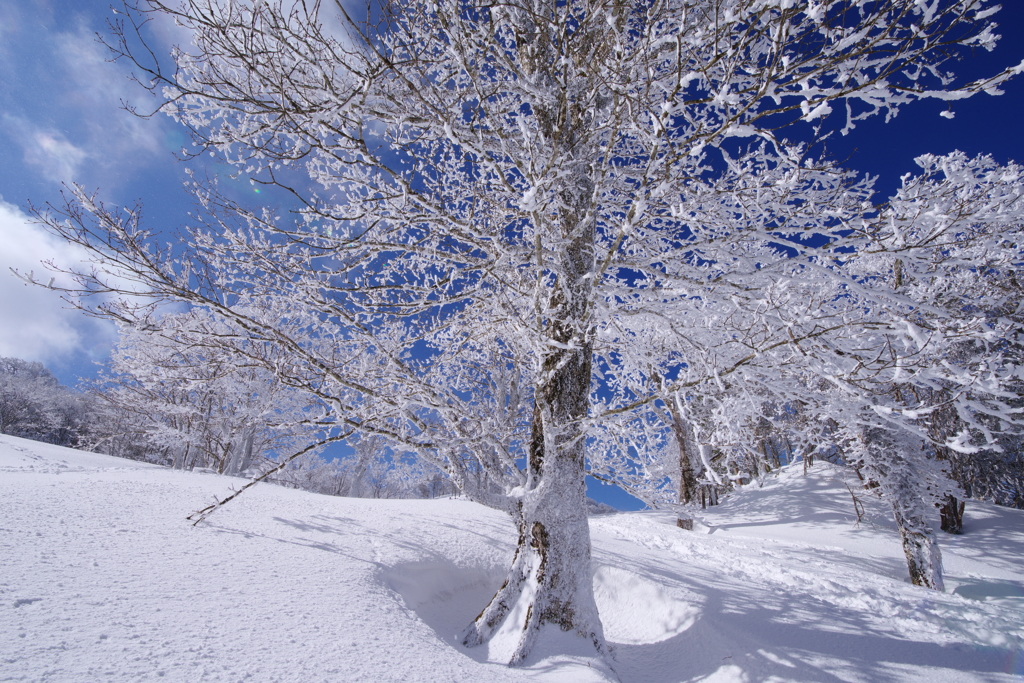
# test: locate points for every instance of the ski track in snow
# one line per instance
(102, 578)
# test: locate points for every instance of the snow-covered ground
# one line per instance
(102, 578)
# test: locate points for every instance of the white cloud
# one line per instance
(34, 323)
(167, 34)
(98, 88)
(108, 135)
(47, 151)
(58, 153)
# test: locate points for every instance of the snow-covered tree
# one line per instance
(34, 405)
(172, 397)
(916, 316)
(490, 199)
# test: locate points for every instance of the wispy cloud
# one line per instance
(100, 88)
(63, 102)
(46, 151)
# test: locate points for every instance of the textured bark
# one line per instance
(924, 561)
(687, 454)
(952, 515)
(900, 484)
(551, 581)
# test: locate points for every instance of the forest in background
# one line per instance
(228, 422)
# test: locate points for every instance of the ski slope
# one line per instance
(102, 578)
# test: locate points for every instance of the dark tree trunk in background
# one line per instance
(952, 514)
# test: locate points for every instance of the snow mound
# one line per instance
(22, 455)
(636, 610)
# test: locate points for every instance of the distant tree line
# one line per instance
(34, 405)
(162, 402)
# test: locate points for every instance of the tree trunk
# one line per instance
(550, 583)
(952, 515)
(687, 453)
(224, 458)
(924, 560)
(900, 483)
(180, 457)
(240, 452)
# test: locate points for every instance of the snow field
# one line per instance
(102, 578)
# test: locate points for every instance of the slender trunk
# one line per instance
(687, 454)
(223, 461)
(766, 462)
(247, 452)
(774, 455)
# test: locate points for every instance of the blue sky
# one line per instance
(61, 121)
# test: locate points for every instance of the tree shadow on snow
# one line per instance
(993, 535)
(755, 644)
(446, 597)
(674, 621)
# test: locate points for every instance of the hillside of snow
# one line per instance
(102, 578)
